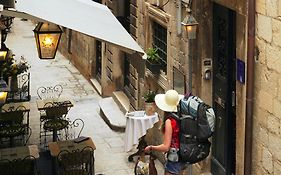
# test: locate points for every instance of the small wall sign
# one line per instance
(240, 71)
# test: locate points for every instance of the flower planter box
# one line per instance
(154, 68)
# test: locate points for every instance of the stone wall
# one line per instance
(267, 111)
(81, 51)
(177, 54)
(267, 95)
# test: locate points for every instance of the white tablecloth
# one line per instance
(136, 126)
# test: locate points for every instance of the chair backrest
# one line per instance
(25, 166)
(75, 128)
(76, 160)
(50, 92)
(23, 80)
(24, 85)
(12, 123)
(5, 166)
(55, 110)
(12, 115)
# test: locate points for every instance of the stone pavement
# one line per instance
(110, 157)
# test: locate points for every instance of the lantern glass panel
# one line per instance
(47, 38)
(3, 54)
(37, 43)
(48, 44)
(3, 97)
(191, 31)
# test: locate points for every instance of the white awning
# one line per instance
(85, 16)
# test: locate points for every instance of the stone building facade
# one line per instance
(221, 49)
(267, 113)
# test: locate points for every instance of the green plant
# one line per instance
(12, 67)
(152, 55)
(19, 67)
(149, 96)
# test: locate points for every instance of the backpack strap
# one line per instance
(179, 107)
(175, 116)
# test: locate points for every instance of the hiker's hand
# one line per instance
(148, 149)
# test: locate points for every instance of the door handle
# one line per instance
(233, 96)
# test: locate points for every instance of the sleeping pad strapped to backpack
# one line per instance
(197, 121)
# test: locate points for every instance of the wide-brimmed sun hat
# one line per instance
(168, 102)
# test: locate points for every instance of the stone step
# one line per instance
(122, 101)
(96, 85)
(112, 115)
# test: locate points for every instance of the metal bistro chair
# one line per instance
(49, 92)
(55, 119)
(76, 162)
(12, 125)
(25, 166)
(24, 87)
(22, 90)
(74, 129)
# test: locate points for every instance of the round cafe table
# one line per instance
(136, 127)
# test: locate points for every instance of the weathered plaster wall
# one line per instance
(82, 51)
(113, 59)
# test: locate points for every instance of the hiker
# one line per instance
(168, 103)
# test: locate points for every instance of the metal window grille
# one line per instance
(160, 41)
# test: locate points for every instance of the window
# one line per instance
(159, 37)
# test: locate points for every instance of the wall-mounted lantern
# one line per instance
(47, 38)
(4, 89)
(190, 24)
(3, 54)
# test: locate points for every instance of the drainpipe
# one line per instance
(179, 17)
(250, 87)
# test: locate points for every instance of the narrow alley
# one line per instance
(110, 157)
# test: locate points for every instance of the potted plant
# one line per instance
(153, 60)
(14, 69)
(149, 104)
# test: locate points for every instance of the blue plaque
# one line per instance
(240, 72)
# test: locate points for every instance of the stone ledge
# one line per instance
(122, 101)
(112, 115)
(96, 85)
